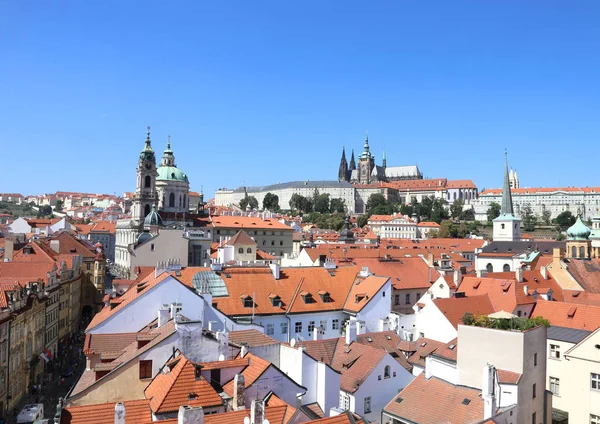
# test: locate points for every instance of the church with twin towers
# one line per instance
(365, 171)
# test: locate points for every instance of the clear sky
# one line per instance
(260, 92)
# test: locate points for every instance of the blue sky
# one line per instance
(269, 91)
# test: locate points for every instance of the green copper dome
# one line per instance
(578, 231)
(153, 218)
(171, 173)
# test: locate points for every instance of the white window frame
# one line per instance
(270, 329)
(555, 386)
(367, 405)
(594, 419)
(595, 381)
(554, 351)
(284, 327)
(344, 401)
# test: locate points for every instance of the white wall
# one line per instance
(305, 319)
(378, 308)
(446, 370)
(273, 380)
(433, 324)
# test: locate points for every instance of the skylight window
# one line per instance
(452, 346)
(466, 401)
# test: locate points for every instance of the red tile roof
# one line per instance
(455, 308)
(252, 338)
(508, 377)
(136, 412)
(241, 238)
(448, 351)
(406, 273)
(256, 367)
(248, 222)
(433, 401)
(178, 385)
(582, 317)
(389, 342)
(425, 347)
(107, 343)
(362, 291)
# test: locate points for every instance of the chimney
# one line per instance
(55, 245)
(544, 272)
(519, 274)
(526, 289)
(120, 413)
(257, 412)
(457, 277)
(163, 315)
(175, 308)
(488, 387)
(275, 270)
(9, 249)
(244, 350)
(318, 333)
(429, 273)
(160, 268)
(351, 331)
(239, 387)
(481, 273)
(190, 415)
(430, 258)
(364, 272)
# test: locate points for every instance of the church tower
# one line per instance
(145, 192)
(343, 171)
(383, 161)
(366, 163)
(506, 227)
(352, 162)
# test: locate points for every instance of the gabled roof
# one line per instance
(425, 347)
(406, 273)
(249, 223)
(389, 342)
(107, 343)
(241, 238)
(136, 412)
(508, 377)
(454, 308)
(256, 367)
(362, 291)
(178, 385)
(568, 315)
(355, 362)
(252, 338)
(448, 351)
(433, 401)
(505, 294)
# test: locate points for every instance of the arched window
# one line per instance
(241, 250)
(147, 181)
(573, 252)
(184, 202)
(172, 200)
(180, 201)
(489, 268)
(582, 252)
(249, 250)
(386, 372)
(146, 210)
(506, 268)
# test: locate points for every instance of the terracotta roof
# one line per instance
(448, 351)
(178, 385)
(508, 377)
(256, 367)
(539, 190)
(128, 297)
(229, 363)
(581, 297)
(388, 341)
(107, 343)
(315, 410)
(406, 273)
(432, 401)
(428, 224)
(241, 238)
(252, 338)
(136, 412)
(105, 227)
(505, 294)
(280, 414)
(248, 222)
(354, 362)
(454, 308)
(345, 417)
(586, 273)
(425, 347)
(534, 281)
(583, 317)
(362, 291)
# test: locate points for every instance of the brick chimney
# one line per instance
(257, 412)
(239, 388)
(120, 413)
(190, 415)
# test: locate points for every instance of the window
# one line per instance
(281, 243)
(249, 250)
(298, 327)
(555, 386)
(88, 266)
(595, 381)
(533, 390)
(367, 404)
(147, 181)
(386, 372)
(272, 242)
(270, 329)
(594, 419)
(172, 200)
(344, 401)
(152, 247)
(418, 296)
(535, 359)
(533, 416)
(506, 268)
(248, 303)
(335, 324)
(502, 226)
(311, 327)
(145, 369)
(407, 299)
(555, 351)
(397, 299)
(241, 250)
(284, 327)
(489, 268)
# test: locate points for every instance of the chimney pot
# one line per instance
(120, 413)
(190, 415)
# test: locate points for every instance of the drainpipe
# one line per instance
(290, 307)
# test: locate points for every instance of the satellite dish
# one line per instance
(246, 420)
(221, 357)
(293, 342)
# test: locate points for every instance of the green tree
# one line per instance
(456, 209)
(546, 214)
(296, 201)
(321, 203)
(337, 205)
(468, 215)
(59, 205)
(438, 211)
(447, 230)
(44, 211)
(462, 230)
(529, 219)
(565, 219)
(362, 220)
(271, 202)
(378, 205)
(249, 200)
(493, 211)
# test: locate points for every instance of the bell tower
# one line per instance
(145, 192)
(366, 163)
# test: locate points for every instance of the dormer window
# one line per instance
(325, 296)
(359, 297)
(247, 301)
(275, 300)
(307, 297)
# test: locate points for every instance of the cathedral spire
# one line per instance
(507, 205)
(366, 144)
(148, 143)
(352, 162)
(343, 170)
(384, 161)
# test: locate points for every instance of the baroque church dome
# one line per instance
(153, 218)
(578, 231)
(171, 173)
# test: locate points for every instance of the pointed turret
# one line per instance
(168, 158)
(343, 170)
(366, 147)
(507, 206)
(383, 161)
(147, 153)
(352, 162)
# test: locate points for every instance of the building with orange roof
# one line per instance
(133, 412)
(395, 226)
(104, 232)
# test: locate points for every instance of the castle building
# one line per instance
(367, 172)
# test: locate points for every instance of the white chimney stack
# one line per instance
(544, 272)
(351, 331)
(119, 413)
(457, 277)
(257, 412)
(190, 415)
(526, 290)
(519, 274)
(275, 270)
(163, 315)
(364, 272)
(55, 245)
(488, 389)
